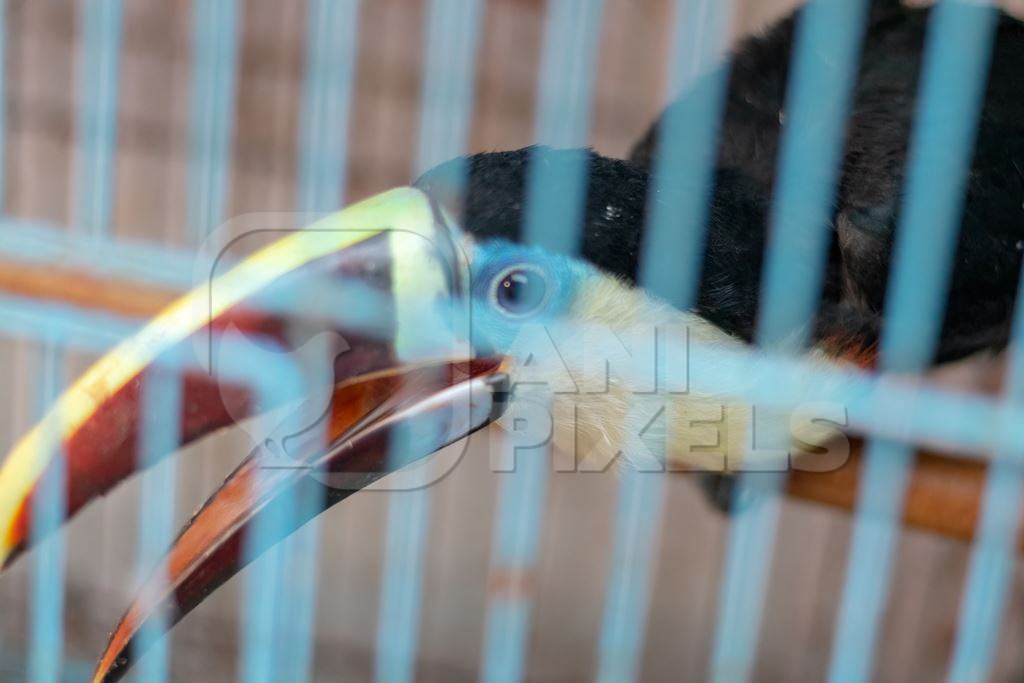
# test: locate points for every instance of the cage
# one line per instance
(141, 141)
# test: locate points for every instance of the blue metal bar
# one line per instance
(42, 243)
(263, 659)
(684, 162)
(741, 592)
(905, 411)
(214, 67)
(556, 191)
(452, 39)
(824, 70)
(87, 330)
(215, 55)
(161, 415)
(331, 50)
(992, 560)
(991, 570)
(552, 219)
(300, 552)
(885, 470)
(956, 62)
(989, 577)
(265, 610)
(572, 29)
(97, 114)
(398, 619)
(296, 636)
(516, 542)
(332, 42)
(634, 554)
(46, 645)
(683, 167)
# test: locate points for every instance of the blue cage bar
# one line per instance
(278, 616)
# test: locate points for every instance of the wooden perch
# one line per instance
(944, 494)
(128, 298)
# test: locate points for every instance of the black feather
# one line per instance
(868, 199)
(988, 260)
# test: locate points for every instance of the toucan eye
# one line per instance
(520, 290)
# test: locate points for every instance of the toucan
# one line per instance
(440, 311)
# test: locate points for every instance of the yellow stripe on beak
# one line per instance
(404, 209)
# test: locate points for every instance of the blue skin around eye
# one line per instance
(493, 330)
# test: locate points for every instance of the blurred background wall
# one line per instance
(150, 204)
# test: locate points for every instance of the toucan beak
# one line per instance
(433, 405)
(384, 279)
